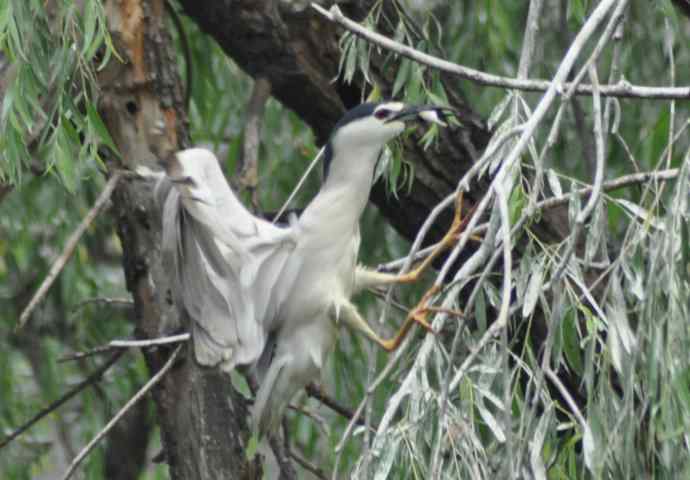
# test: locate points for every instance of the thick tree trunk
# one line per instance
(202, 419)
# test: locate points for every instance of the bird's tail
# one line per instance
(277, 389)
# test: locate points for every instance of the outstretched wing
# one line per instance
(223, 261)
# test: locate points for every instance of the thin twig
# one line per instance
(315, 392)
(468, 268)
(316, 471)
(137, 396)
(611, 185)
(67, 252)
(126, 344)
(381, 295)
(248, 166)
(529, 42)
(526, 134)
(502, 320)
(494, 328)
(90, 380)
(103, 300)
(297, 188)
(598, 178)
(595, 87)
(151, 342)
(318, 420)
(620, 182)
(568, 398)
(620, 89)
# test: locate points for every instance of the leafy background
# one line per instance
(633, 361)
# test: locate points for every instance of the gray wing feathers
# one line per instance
(223, 273)
(225, 328)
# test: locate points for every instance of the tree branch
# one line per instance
(91, 379)
(127, 344)
(137, 396)
(621, 89)
(71, 244)
(248, 165)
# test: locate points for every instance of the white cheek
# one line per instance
(371, 131)
(395, 129)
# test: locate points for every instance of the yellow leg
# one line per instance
(366, 278)
(446, 242)
(348, 313)
(417, 315)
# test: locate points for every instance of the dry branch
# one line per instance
(91, 379)
(126, 344)
(71, 244)
(148, 386)
(248, 166)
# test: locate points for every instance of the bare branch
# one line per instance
(611, 185)
(568, 398)
(529, 42)
(137, 396)
(297, 188)
(91, 379)
(314, 392)
(621, 89)
(598, 178)
(71, 244)
(126, 344)
(248, 166)
(620, 182)
(105, 301)
(183, 337)
(316, 471)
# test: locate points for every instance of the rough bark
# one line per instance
(202, 419)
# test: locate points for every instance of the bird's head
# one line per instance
(371, 125)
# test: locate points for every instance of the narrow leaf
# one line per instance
(533, 289)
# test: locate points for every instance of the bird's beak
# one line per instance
(427, 113)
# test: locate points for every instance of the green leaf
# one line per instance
(571, 341)
(64, 160)
(429, 137)
(90, 21)
(350, 63)
(252, 447)
(577, 11)
(516, 204)
(240, 384)
(401, 77)
(533, 288)
(99, 127)
(363, 54)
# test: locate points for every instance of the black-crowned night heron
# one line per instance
(242, 279)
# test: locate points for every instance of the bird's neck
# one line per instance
(344, 195)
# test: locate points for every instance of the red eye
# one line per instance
(381, 114)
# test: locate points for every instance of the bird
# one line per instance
(275, 296)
